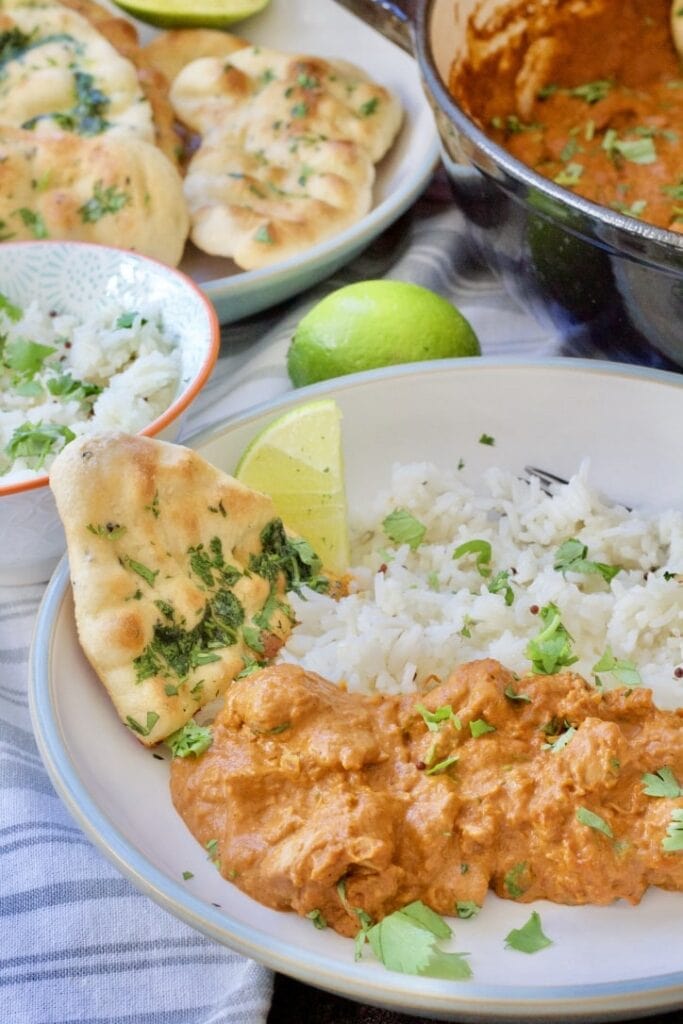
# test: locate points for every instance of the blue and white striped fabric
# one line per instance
(78, 944)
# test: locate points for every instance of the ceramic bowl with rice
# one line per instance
(92, 338)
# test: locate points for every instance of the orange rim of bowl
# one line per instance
(186, 397)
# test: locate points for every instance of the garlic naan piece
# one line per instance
(75, 71)
(169, 52)
(102, 189)
(287, 153)
(158, 543)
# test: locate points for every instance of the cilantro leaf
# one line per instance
(480, 548)
(500, 584)
(12, 312)
(37, 441)
(529, 938)
(435, 719)
(466, 909)
(572, 557)
(623, 670)
(551, 648)
(673, 841)
(192, 739)
(148, 575)
(593, 820)
(562, 740)
(513, 880)
(318, 919)
(442, 766)
(403, 528)
(26, 357)
(513, 694)
(662, 783)
(405, 941)
(479, 727)
(143, 730)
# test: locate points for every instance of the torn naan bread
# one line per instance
(287, 153)
(102, 189)
(178, 572)
(169, 52)
(74, 67)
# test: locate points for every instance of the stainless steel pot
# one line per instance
(607, 282)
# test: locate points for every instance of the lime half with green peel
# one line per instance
(376, 323)
(191, 13)
(297, 460)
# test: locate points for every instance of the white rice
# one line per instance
(137, 367)
(409, 612)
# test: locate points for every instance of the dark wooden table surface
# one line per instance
(295, 1003)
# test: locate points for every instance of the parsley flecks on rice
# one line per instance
(611, 600)
(61, 377)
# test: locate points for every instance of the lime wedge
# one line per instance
(191, 13)
(297, 460)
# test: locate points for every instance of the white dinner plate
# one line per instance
(605, 962)
(324, 29)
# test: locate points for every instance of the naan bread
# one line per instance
(287, 153)
(158, 543)
(100, 189)
(169, 52)
(80, 70)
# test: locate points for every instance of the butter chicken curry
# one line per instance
(539, 788)
(588, 93)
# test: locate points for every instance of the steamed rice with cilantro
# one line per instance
(445, 574)
(60, 378)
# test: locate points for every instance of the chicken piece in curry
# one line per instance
(589, 93)
(531, 787)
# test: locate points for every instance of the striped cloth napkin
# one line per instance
(78, 944)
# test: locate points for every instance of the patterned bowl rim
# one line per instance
(189, 393)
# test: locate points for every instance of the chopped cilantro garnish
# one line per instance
(12, 312)
(466, 909)
(26, 357)
(442, 766)
(594, 821)
(572, 557)
(500, 584)
(663, 783)
(512, 694)
(529, 938)
(369, 107)
(191, 740)
(569, 175)
(625, 671)
(562, 740)
(68, 387)
(293, 557)
(148, 575)
(487, 439)
(513, 880)
(402, 527)
(37, 441)
(480, 548)
(673, 841)
(108, 530)
(34, 222)
(551, 648)
(406, 941)
(143, 730)
(187, 875)
(318, 919)
(102, 202)
(479, 727)
(211, 847)
(435, 719)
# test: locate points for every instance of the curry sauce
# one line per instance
(590, 95)
(531, 787)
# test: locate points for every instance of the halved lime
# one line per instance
(297, 460)
(191, 13)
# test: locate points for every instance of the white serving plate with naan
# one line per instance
(605, 962)
(324, 29)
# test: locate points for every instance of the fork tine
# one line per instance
(544, 476)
